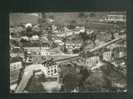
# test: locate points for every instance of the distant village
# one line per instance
(75, 52)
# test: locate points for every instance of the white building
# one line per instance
(14, 71)
(115, 18)
(36, 50)
(92, 61)
(59, 42)
(34, 37)
(52, 71)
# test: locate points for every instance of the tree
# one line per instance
(72, 24)
(84, 38)
(69, 76)
(14, 42)
(42, 21)
(51, 16)
(43, 15)
(97, 81)
(82, 15)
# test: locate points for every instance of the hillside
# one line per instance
(18, 18)
(60, 18)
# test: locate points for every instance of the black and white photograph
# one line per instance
(68, 52)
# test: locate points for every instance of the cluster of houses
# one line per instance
(37, 54)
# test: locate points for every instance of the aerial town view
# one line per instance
(68, 52)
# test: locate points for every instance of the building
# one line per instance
(73, 45)
(16, 52)
(115, 18)
(14, 71)
(36, 50)
(59, 42)
(92, 61)
(52, 71)
(15, 66)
